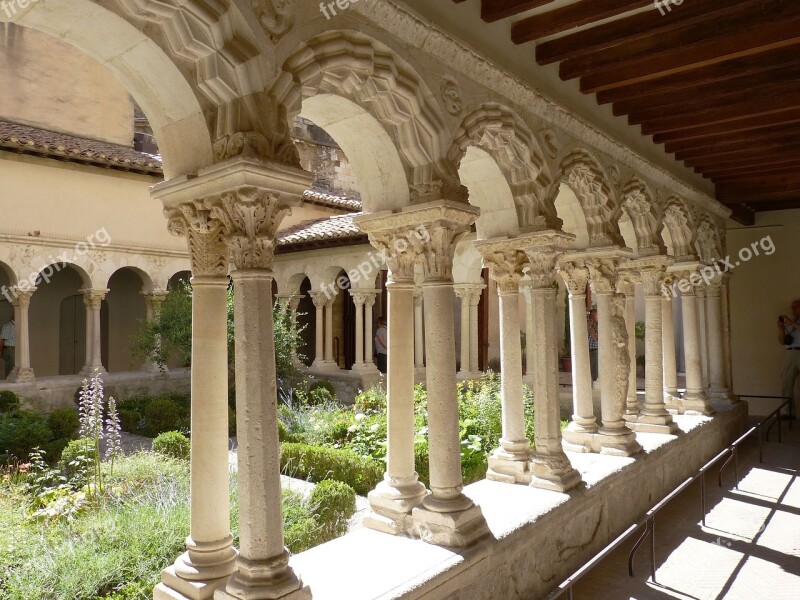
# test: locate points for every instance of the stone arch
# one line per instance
(585, 176)
(363, 89)
(47, 271)
(495, 133)
(155, 72)
(637, 205)
(708, 240)
(8, 273)
(292, 283)
(146, 279)
(678, 225)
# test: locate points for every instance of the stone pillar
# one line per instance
(358, 299)
(463, 292)
(474, 301)
(210, 556)
(529, 346)
(550, 466)
(580, 432)
(22, 370)
(511, 461)
(614, 436)
(718, 388)
(320, 299)
(392, 501)
(672, 397)
(330, 361)
(369, 302)
(448, 516)
(419, 335)
(153, 301)
(93, 300)
(700, 292)
(626, 285)
(654, 417)
(694, 400)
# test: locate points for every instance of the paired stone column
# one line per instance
(718, 387)
(369, 302)
(22, 370)
(320, 300)
(93, 301)
(392, 501)
(700, 292)
(672, 397)
(474, 301)
(364, 301)
(525, 286)
(511, 461)
(579, 434)
(614, 436)
(246, 200)
(419, 334)
(550, 466)
(152, 302)
(358, 300)
(470, 296)
(654, 416)
(626, 285)
(463, 293)
(330, 361)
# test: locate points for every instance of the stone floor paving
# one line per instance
(749, 548)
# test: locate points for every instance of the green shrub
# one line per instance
(421, 464)
(130, 420)
(335, 503)
(162, 414)
(173, 444)
(21, 432)
(316, 463)
(9, 401)
(283, 433)
(323, 384)
(373, 399)
(77, 458)
(302, 534)
(64, 423)
(231, 422)
(320, 391)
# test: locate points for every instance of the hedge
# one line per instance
(317, 463)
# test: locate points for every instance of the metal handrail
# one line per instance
(648, 520)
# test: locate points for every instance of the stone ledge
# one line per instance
(538, 537)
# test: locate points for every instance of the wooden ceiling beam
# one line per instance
(710, 131)
(634, 28)
(778, 205)
(691, 157)
(743, 214)
(755, 170)
(772, 61)
(735, 139)
(574, 15)
(494, 10)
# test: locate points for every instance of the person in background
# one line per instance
(789, 336)
(381, 344)
(8, 341)
(594, 344)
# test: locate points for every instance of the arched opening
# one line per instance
(178, 279)
(306, 320)
(489, 191)
(6, 307)
(570, 212)
(126, 309)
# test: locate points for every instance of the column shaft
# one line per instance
(583, 419)
(475, 298)
(329, 332)
(700, 293)
(419, 332)
(718, 388)
(632, 402)
(671, 396)
(359, 362)
(319, 354)
(22, 370)
(694, 400)
(463, 295)
(369, 329)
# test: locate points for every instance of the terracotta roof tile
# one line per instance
(326, 199)
(339, 227)
(29, 139)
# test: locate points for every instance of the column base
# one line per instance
(631, 416)
(578, 438)
(617, 442)
(656, 424)
(391, 504)
(673, 402)
(510, 467)
(325, 366)
(21, 375)
(365, 369)
(696, 404)
(553, 472)
(270, 579)
(468, 375)
(458, 529)
(722, 398)
(89, 370)
(173, 587)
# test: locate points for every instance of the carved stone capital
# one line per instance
(650, 271)
(22, 297)
(604, 274)
(575, 274)
(543, 249)
(93, 299)
(506, 262)
(319, 298)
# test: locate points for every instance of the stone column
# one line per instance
(448, 516)
(694, 400)
(369, 302)
(550, 466)
(529, 346)
(626, 285)
(330, 361)
(22, 370)
(419, 335)
(358, 299)
(718, 388)
(463, 292)
(580, 432)
(474, 301)
(614, 436)
(392, 501)
(511, 461)
(210, 556)
(251, 220)
(153, 301)
(320, 299)
(654, 417)
(672, 397)
(700, 292)
(93, 300)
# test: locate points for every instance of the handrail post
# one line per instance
(653, 547)
(736, 466)
(703, 496)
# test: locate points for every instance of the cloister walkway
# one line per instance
(748, 550)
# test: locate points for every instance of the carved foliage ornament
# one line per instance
(604, 274)
(207, 250)
(275, 16)
(575, 275)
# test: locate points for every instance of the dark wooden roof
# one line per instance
(715, 81)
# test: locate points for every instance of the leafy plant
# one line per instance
(640, 330)
(9, 401)
(173, 444)
(334, 503)
(316, 463)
